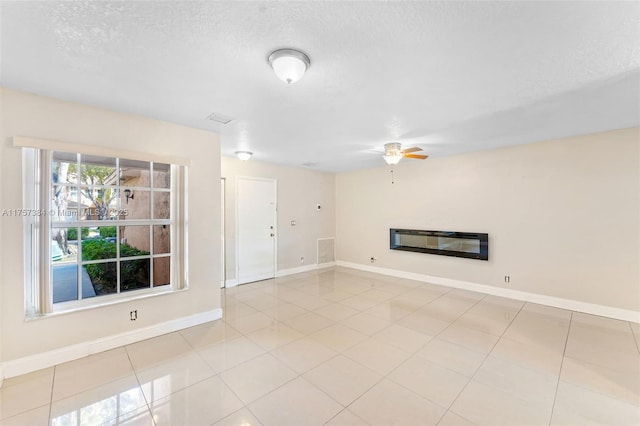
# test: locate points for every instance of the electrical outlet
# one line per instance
(301, 259)
(373, 259)
(507, 279)
(133, 315)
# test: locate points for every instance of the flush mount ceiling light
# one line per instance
(243, 155)
(289, 64)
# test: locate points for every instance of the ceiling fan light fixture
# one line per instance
(392, 159)
(392, 153)
(289, 65)
(243, 155)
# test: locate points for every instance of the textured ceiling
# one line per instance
(450, 77)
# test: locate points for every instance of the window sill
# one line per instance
(64, 308)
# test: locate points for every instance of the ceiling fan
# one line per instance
(393, 153)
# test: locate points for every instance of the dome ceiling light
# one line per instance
(243, 155)
(289, 64)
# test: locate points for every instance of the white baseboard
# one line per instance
(305, 268)
(231, 282)
(69, 353)
(557, 302)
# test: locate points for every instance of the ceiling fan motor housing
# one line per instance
(393, 148)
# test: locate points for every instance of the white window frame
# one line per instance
(37, 181)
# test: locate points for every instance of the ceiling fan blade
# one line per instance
(413, 149)
(417, 156)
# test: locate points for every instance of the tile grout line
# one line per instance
(586, 387)
(239, 399)
(393, 322)
(109, 381)
(386, 376)
(405, 361)
(298, 375)
(338, 353)
(368, 336)
(564, 351)
(483, 360)
(53, 381)
(219, 374)
(347, 408)
(197, 353)
(635, 338)
(135, 373)
(341, 353)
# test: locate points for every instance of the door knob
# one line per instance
(273, 235)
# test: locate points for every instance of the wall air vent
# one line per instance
(219, 118)
(326, 250)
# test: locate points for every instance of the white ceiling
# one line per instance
(450, 77)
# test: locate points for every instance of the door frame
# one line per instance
(275, 219)
(223, 230)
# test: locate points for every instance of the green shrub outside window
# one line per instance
(108, 231)
(134, 273)
(72, 233)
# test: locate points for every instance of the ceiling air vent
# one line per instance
(219, 118)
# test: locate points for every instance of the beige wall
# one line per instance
(33, 116)
(299, 191)
(1, 239)
(562, 216)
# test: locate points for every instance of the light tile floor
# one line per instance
(345, 347)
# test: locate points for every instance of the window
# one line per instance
(104, 228)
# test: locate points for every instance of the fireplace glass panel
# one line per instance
(447, 243)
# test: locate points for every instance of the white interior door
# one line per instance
(256, 209)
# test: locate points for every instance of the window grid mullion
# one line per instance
(118, 236)
(59, 222)
(152, 215)
(151, 250)
(45, 297)
(79, 260)
(78, 226)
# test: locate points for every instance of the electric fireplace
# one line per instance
(471, 245)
